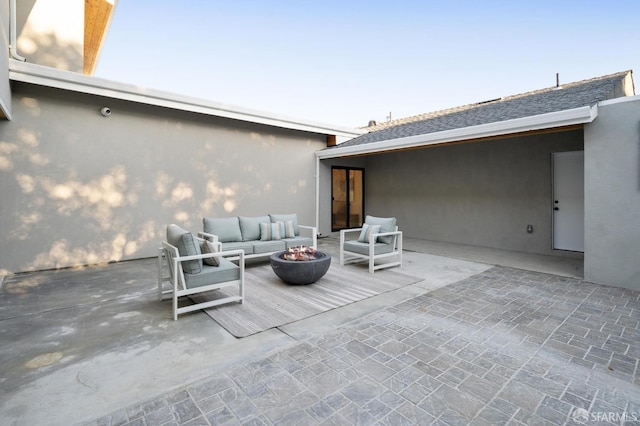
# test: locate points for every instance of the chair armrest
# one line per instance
(384, 234)
(344, 232)
(238, 252)
(211, 237)
(314, 234)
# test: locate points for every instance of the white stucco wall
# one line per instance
(612, 195)
(80, 188)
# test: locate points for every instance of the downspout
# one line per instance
(13, 32)
(317, 194)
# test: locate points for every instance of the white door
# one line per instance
(568, 201)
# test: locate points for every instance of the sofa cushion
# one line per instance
(247, 246)
(187, 245)
(270, 231)
(366, 232)
(209, 247)
(268, 246)
(250, 227)
(298, 241)
(226, 228)
(293, 217)
(387, 224)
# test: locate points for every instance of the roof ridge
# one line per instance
(432, 114)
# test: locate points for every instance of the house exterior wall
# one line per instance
(480, 193)
(79, 188)
(612, 195)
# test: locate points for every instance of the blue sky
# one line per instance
(348, 62)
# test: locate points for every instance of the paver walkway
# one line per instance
(505, 346)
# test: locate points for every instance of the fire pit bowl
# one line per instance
(306, 270)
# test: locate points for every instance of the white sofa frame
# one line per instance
(169, 255)
(347, 256)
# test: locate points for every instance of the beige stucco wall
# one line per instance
(480, 193)
(612, 195)
(51, 33)
(80, 188)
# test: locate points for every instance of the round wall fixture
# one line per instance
(106, 111)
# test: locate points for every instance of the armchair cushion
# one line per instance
(187, 245)
(366, 232)
(363, 248)
(209, 247)
(227, 228)
(285, 218)
(250, 227)
(387, 224)
(226, 271)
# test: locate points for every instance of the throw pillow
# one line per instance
(285, 218)
(270, 231)
(209, 247)
(289, 231)
(366, 232)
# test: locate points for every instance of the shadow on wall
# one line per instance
(48, 50)
(73, 201)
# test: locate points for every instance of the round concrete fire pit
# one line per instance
(300, 272)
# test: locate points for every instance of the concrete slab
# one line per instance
(80, 344)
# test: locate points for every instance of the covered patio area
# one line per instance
(470, 343)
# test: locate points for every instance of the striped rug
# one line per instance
(270, 302)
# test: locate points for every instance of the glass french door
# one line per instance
(347, 198)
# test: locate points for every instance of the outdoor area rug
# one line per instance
(270, 302)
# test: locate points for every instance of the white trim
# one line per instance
(66, 80)
(620, 100)
(536, 122)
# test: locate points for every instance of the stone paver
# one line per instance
(505, 347)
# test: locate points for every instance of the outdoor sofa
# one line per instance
(259, 236)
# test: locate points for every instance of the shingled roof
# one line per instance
(553, 99)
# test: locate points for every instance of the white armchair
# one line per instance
(194, 270)
(378, 239)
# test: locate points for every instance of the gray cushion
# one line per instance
(227, 271)
(187, 245)
(363, 248)
(298, 241)
(226, 228)
(247, 246)
(286, 217)
(250, 227)
(387, 224)
(268, 246)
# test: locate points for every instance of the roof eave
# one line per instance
(551, 120)
(51, 77)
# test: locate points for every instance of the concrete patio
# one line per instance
(523, 342)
